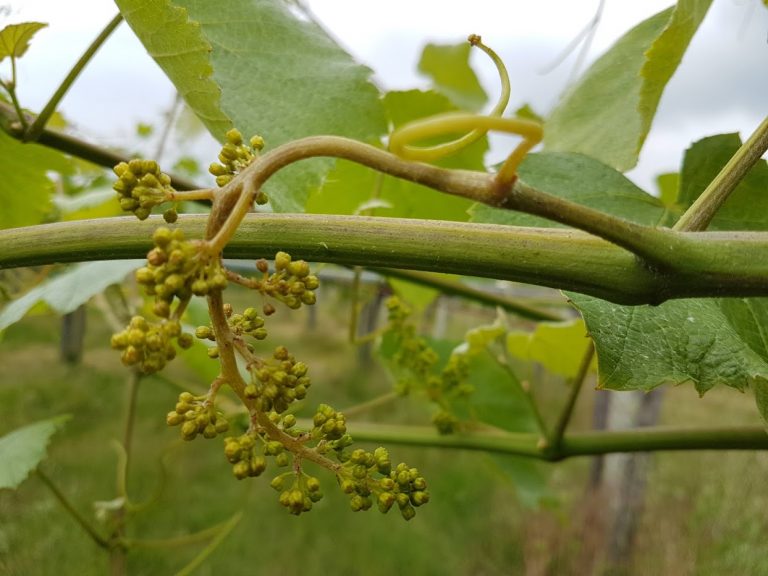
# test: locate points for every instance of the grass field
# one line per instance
(705, 512)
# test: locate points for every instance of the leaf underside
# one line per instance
(260, 68)
(22, 450)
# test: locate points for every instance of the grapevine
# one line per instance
(178, 269)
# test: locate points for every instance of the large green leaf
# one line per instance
(14, 38)
(708, 342)
(24, 448)
(350, 185)
(747, 206)
(448, 67)
(582, 180)
(65, 292)
(705, 342)
(259, 67)
(608, 114)
(25, 187)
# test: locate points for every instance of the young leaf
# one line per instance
(258, 67)
(448, 67)
(24, 448)
(558, 347)
(669, 188)
(67, 291)
(14, 38)
(25, 188)
(608, 114)
(582, 180)
(747, 206)
(498, 398)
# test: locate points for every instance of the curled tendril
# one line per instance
(478, 126)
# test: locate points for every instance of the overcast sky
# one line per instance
(722, 85)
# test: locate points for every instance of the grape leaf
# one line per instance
(259, 67)
(447, 65)
(694, 340)
(669, 188)
(24, 448)
(747, 206)
(67, 291)
(609, 112)
(498, 398)
(15, 38)
(582, 180)
(25, 188)
(557, 346)
(707, 342)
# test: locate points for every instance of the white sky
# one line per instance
(722, 85)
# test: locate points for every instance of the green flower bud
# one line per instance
(189, 430)
(258, 465)
(282, 261)
(385, 501)
(185, 341)
(282, 459)
(241, 470)
(174, 418)
(419, 497)
(209, 431)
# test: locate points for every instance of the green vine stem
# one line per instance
(700, 213)
(708, 264)
(68, 506)
(570, 403)
(185, 540)
(650, 439)
(234, 200)
(224, 531)
(451, 287)
(11, 89)
(34, 131)
(76, 147)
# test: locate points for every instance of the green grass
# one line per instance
(704, 513)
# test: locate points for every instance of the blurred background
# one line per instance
(693, 513)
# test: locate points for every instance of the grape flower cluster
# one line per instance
(268, 385)
(141, 186)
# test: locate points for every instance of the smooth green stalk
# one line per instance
(224, 531)
(33, 132)
(708, 264)
(570, 403)
(79, 518)
(655, 439)
(354, 304)
(76, 147)
(544, 441)
(134, 382)
(456, 288)
(11, 89)
(381, 400)
(185, 540)
(700, 213)
(651, 439)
